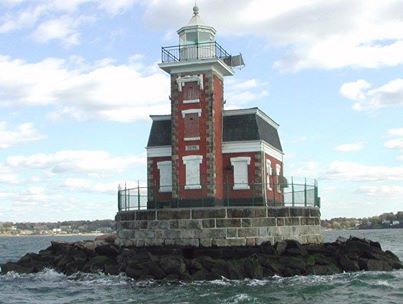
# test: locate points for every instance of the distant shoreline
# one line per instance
(62, 234)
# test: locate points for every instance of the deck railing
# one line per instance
(189, 52)
(302, 194)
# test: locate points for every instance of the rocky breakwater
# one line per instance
(285, 258)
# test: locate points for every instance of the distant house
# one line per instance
(395, 223)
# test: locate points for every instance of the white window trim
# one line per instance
(191, 100)
(190, 78)
(278, 171)
(234, 162)
(252, 146)
(269, 173)
(191, 111)
(160, 151)
(198, 159)
(161, 166)
(191, 138)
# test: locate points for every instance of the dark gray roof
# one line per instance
(238, 126)
(250, 127)
(160, 134)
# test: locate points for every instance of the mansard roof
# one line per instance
(239, 125)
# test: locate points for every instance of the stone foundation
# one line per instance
(220, 226)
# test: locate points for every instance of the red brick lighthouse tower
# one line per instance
(197, 68)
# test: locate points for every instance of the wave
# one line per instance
(376, 278)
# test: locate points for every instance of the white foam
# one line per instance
(242, 297)
(49, 274)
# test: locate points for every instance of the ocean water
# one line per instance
(52, 287)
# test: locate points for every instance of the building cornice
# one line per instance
(255, 111)
(160, 117)
(227, 147)
(198, 65)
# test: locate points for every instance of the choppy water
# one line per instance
(52, 287)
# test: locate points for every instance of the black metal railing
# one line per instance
(302, 194)
(206, 50)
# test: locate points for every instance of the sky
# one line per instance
(79, 79)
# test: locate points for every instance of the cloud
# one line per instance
(355, 90)
(63, 28)
(8, 176)
(24, 133)
(369, 99)
(317, 34)
(350, 147)
(241, 92)
(114, 7)
(21, 19)
(381, 191)
(91, 186)
(395, 143)
(58, 20)
(76, 161)
(103, 90)
(352, 171)
(80, 184)
(395, 132)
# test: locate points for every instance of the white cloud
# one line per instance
(8, 176)
(351, 171)
(23, 133)
(10, 2)
(80, 184)
(394, 143)
(59, 20)
(381, 191)
(64, 162)
(309, 169)
(65, 6)
(366, 99)
(318, 34)
(104, 90)
(349, 147)
(397, 142)
(395, 132)
(21, 19)
(241, 92)
(116, 6)
(63, 28)
(355, 90)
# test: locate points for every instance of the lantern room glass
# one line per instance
(195, 37)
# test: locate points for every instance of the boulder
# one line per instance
(285, 258)
(348, 265)
(109, 238)
(108, 250)
(267, 248)
(292, 265)
(173, 265)
(290, 247)
(252, 268)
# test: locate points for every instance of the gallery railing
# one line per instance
(206, 50)
(303, 194)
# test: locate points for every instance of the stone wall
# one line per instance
(220, 226)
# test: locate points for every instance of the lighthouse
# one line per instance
(201, 155)
(214, 176)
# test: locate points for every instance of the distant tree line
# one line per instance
(385, 220)
(103, 226)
